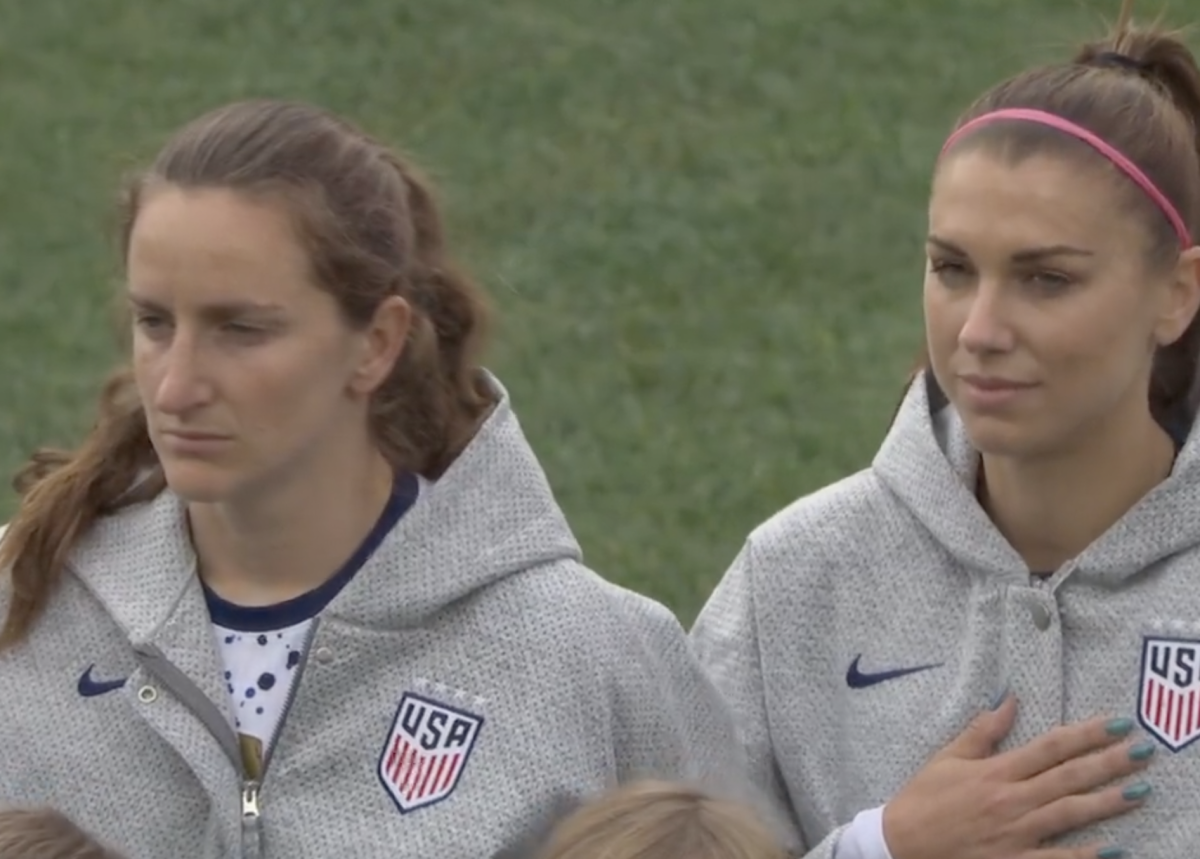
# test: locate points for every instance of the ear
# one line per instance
(1182, 298)
(382, 343)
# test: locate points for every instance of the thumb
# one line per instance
(980, 738)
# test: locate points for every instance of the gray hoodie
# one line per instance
(472, 651)
(863, 626)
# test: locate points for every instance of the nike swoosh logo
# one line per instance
(857, 679)
(89, 687)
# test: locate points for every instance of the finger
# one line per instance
(1085, 774)
(1089, 851)
(980, 738)
(1075, 812)
(1062, 744)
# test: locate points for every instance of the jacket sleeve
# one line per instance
(669, 721)
(725, 638)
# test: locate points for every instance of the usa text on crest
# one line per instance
(426, 751)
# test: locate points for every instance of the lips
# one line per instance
(993, 394)
(187, 435)
(995, 384)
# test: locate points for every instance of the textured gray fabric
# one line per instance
(899, 564)
(477, 600)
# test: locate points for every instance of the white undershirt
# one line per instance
(261, 669)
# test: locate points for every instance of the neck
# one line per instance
(290, 539)
(1051, 509)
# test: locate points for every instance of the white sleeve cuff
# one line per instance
(863, 838)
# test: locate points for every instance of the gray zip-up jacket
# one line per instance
(471, 682)
(861, 628)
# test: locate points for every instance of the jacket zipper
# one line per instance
(252, 788)
(157, 664)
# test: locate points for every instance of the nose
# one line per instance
(183, 385)
(986, 327)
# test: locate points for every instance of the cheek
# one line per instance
(291, 390)
(147, 372)
(1095, 357)
(942, 323)
(1099, 337)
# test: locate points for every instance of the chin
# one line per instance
(200, 482)
(1011, 439)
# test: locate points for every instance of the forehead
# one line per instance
(980, 199)
(216, 243)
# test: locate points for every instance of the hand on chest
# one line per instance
(912, 684)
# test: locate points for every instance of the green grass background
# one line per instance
(700, 220)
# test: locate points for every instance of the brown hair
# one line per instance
(43, 833)
(660, 820)
(1139, 91)
(372, 228)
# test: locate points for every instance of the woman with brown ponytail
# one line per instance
(304, 591)
(986, 645)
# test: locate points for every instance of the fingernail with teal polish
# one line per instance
(1142, 752)
(1110, 853)
(1119, 727)
(1136, 792)
(998, 701)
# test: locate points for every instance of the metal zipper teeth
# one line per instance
(293, 690)
(252, 788)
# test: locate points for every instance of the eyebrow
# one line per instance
(1026, 255)
(216, 310)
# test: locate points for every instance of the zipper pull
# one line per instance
(250, 809)
(252, 847)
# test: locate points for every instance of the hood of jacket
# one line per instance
(928, 463)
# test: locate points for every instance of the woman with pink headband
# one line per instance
(986, 645)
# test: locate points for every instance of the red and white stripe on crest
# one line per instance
(1169, 691)
(417, 776)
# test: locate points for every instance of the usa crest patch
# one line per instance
(426, 751)
(1169, 693)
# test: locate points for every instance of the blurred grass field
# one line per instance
(700, 221)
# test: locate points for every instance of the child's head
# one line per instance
(44, 833)
(660, 820)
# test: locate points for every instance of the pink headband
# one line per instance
(1124, 164)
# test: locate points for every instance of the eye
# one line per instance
(1050, 282)
(244, 331)
(950, 272)
(151, 324)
